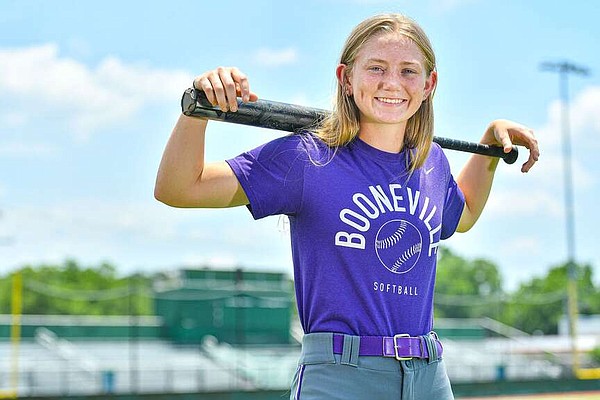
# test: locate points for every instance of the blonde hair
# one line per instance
(342, 125)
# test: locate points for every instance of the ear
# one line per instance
(341, 73)
(430, 84)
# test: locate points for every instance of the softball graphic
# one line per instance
(398, 245)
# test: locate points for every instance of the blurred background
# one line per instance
(104, 290)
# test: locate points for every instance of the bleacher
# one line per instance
(231, 331)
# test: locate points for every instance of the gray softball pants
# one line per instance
(321, 375)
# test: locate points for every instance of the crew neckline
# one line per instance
(374, 152)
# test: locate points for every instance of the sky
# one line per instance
(89, 93)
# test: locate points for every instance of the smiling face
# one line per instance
(388, 80)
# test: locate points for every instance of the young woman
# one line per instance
(369, 197)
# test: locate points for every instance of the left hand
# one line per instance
(507, 133)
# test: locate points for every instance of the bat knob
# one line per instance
(511, 157)
(188, 101)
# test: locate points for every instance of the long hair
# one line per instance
(342, 125)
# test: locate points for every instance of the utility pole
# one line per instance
(563, 69)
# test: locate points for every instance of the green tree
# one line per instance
(71, 289)
(5, 294)
(466, 288)
(538, 305)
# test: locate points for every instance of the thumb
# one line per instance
(507, 144)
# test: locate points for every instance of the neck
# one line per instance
(388, 138)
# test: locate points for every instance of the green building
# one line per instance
(234, 306)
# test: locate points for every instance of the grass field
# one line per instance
(553, 396)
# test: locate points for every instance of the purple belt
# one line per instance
(401, 347)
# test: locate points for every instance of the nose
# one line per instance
(391, 81)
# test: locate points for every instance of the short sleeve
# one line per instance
(272, 176)
(453, 208)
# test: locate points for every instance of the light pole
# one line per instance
(563, 69)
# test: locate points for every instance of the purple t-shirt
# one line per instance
(364, 233)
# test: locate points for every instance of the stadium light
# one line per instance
(564, 68)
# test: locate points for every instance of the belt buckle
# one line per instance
(400, 335)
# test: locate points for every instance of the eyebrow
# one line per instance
(382, 61)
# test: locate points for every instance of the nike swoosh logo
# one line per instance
(427, 171)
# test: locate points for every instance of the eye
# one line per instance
(409, 71)
(376, 69)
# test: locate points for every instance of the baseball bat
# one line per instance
(292, 118)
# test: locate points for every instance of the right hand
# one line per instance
(223, 85)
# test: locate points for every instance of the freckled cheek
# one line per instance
(362, 99)
(414, 86)
(364, 91)
(368, 82)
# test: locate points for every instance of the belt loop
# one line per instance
(431, 348)
(350, 350)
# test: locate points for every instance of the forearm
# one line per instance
(182, 162)
(475, 180)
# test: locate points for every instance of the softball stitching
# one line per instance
(408, 253)
(393, 239)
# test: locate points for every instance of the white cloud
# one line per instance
(584, 131)
(523, 244)
(536, 200)
(504, 203)
(134, 234)
(541, 191)
(85, 98)
(585, 110)
(21, 149)
(276, 58)
(12, 119)
(87, 230)
(584, 119)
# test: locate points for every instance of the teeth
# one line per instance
(390, 101)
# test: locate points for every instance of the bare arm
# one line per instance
(476, 177)
(183, 178)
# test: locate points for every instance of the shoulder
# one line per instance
(302, 146)
(436, 151)
(437, 158)
(298, 142)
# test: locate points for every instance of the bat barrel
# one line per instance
(292, 118)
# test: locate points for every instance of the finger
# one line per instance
(504, 138)
(534, 154)
(526, 137)
(243, 86)
(212, 83)
(229, 86)
(529, 163)
(250, 96)
(507, 145)
(202, 83)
